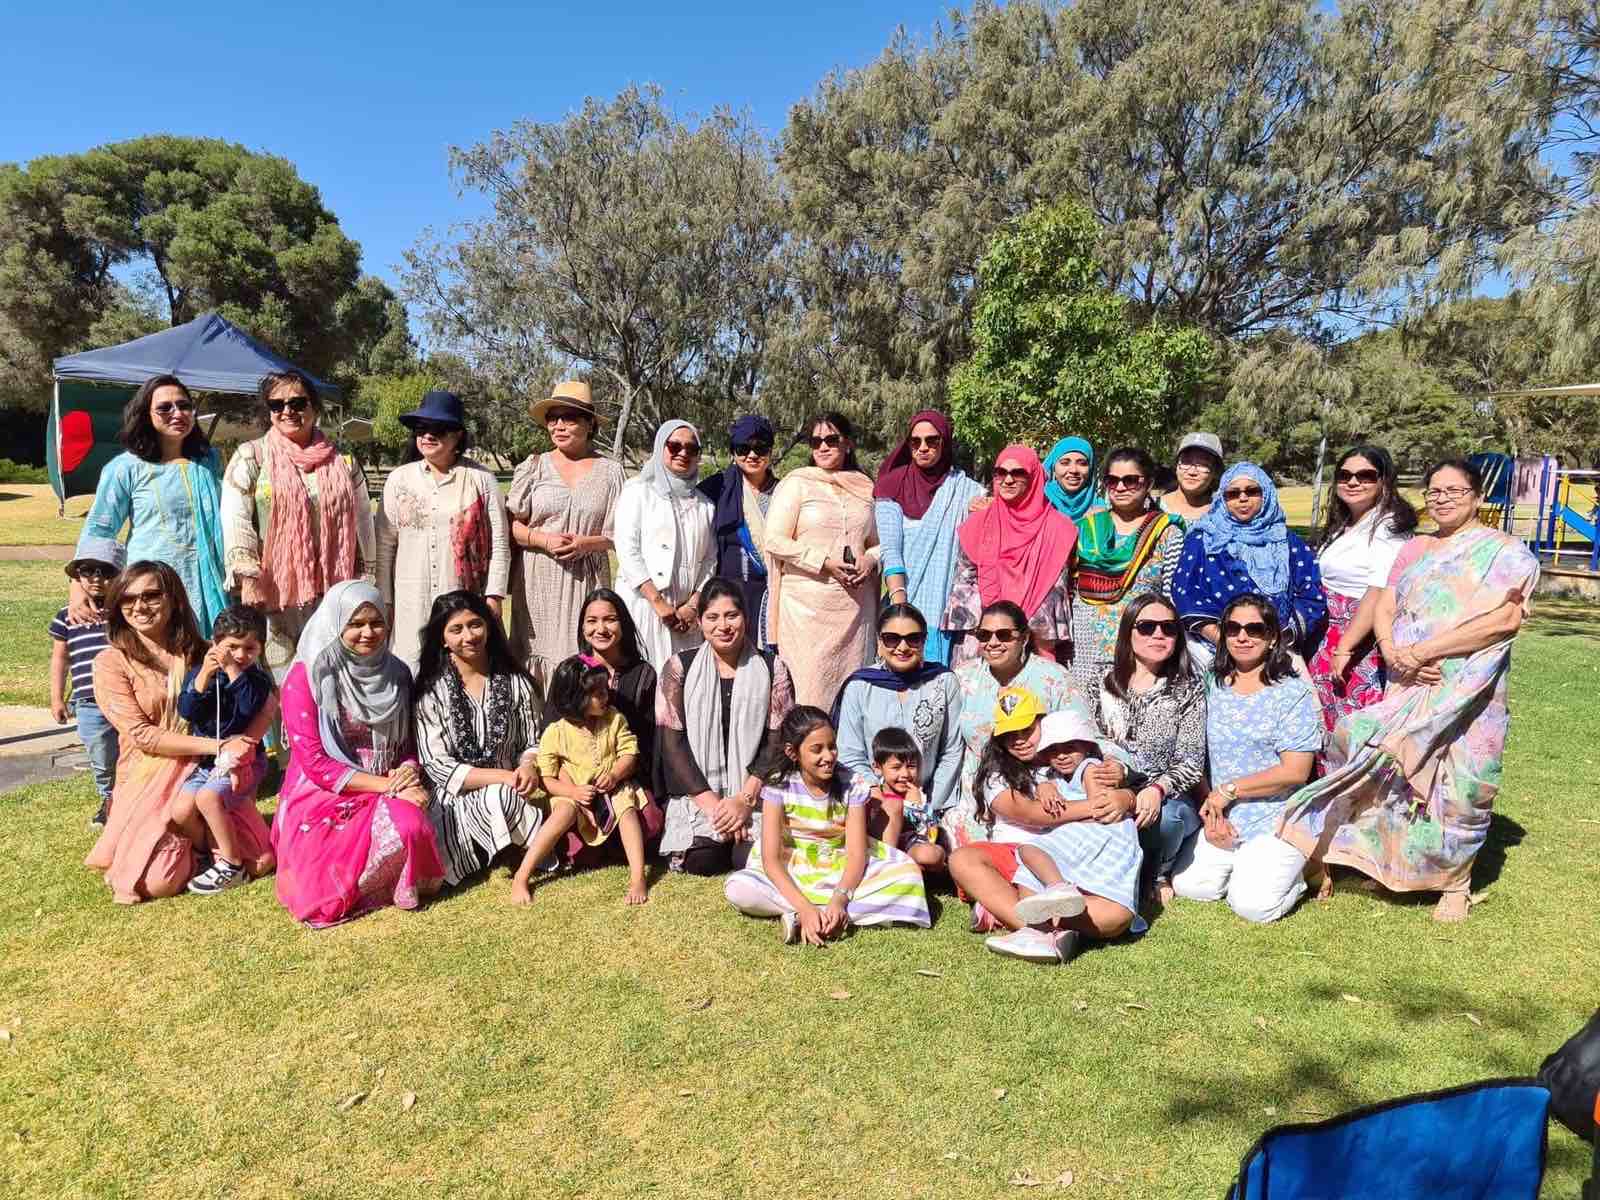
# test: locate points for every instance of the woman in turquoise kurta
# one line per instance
(167, 488)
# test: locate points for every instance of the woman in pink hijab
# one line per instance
(1018, 549)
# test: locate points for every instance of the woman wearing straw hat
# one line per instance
(561, 503)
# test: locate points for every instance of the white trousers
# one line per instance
(1261, 880)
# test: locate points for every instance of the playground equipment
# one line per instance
(1564, 517)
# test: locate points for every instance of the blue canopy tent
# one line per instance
(209, 353)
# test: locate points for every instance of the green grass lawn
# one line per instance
(28, 516)
(33, 592)
(206, 1048)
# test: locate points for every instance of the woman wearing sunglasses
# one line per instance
(921, 497)
(1152, 703)
(166, 487)
(441, 527)
(665, 548)
(1263, 733)
(1368, 522)
(1245, 545)
(903, 690)
(1412, 779)
(1019, 548)
(1126, 548)
(822, 548)
(742, 497)
(296, 518)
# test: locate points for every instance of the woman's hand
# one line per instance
(979, 503)
(1147, 807)
(1215, 804)
(834, 916)
(729, 816)
(239, 748)
(1340, 662)
(810, 918)
(1219, 831)
(665, 611)
(563, 547)
(402, 777)
(606, 781)
(843, 573)
(686, 617)
(80, 609)
(525, 779)
(414, 795)
(1111, 806)
(585, 794)
(1109, 773)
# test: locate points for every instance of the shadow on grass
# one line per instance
(4, 496)
(1503, 834)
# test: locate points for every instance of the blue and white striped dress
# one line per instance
(1102, 860)
(924, 551)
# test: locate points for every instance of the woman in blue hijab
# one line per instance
(1069, 470)
(1243, 545)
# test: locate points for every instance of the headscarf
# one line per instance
(373, 690)
(731, 493)
(294, 576)
(1262, 543)
(662, 481)
(1021, 548)
(1072, 504)
(751, 427)
(908, 485)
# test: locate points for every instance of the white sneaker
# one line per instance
(1034, 945)
(789, 925)
(1058, 901)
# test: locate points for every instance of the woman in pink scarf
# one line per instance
(1018, 548)
(295, 517)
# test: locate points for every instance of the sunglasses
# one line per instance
(564, 416)
(683, 449)
(932, 442)
(1250, 492)
(1255, 630)
(895, 640)
(1152, 627)
(818, 441)
(96, 573)
(1117, 483)
(1011, 475)
(435, 429)
(151, 599)
(758, 449)
(1003, 636)
(294, 404)
(174, 406)
(1365, 475)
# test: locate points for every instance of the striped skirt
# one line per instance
(474, 826)
(891, 890)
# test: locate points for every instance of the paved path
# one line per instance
(36, 553)
(58, 755)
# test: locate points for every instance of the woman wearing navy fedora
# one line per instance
(441, 526)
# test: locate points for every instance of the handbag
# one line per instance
(1572, 1074)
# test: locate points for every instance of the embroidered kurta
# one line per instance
(246, 518)
(548, 593)
(931, 714)
(1412, 779)
(416, 560)
(172, 510)
(668, 541)
(924, 551)
(824, 630)
(1094, 626)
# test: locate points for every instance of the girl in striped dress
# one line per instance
(818, 870)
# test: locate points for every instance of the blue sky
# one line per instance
(366, 98)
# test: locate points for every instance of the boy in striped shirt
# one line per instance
(99, 562)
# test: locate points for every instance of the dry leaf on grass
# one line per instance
(381, 1071)
(1261, 1022)
(408, 1102)
(1024, 1179)
(350, 1101)
(1000, 1093)
(951, 1156)
(1270, 1110)
(1064, 1180)
(5, 1037)
(704, 1002)
(1133, 1007)
(684, 1093)
(1350, 998)
(839, 994)
(1080, 1006)
(1471, 1017)
(931, 974)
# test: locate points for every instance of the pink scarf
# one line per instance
(290, 574)
(1019, 549)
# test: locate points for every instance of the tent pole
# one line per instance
(55, 436)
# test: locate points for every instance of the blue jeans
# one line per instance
(1163, 838)
(99, 737)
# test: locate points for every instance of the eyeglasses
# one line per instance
(433, 429)
(1365, 475)
(1254, 630)
(1011, 475)
(756, 449)
(819, 440)
(1117, 483)
(683, 449)
(1434, 495)
(1250, 492)
(931, 442)
(294, 404)
(1152, 627)
(564, 416)
(151, 599)
(173, 406)
(96, 573)
(895, 640)
(1003, 636)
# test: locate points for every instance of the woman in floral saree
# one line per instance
(1412, 779)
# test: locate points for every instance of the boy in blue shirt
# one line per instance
(72, 657)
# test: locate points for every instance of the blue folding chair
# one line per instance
(1481, 1141)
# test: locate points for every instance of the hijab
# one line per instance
(372, 690)
(662, 481)
(1261, 543)
(1072, 504)
(731, 492)
(908, 485)
(1021, 548)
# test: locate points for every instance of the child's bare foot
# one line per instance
(636, 893)
(521, 893)
(1452, 908)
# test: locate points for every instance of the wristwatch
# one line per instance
(1232, 789)
(848, 895)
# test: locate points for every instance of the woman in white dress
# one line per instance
(665, 545)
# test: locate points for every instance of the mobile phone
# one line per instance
(849, 557)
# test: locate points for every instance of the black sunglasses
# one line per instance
(97, 572)
(1116, 483)
(682, 449)
(1003, 636)
(819, 440)
(1251, 629)
(1151, 627)
(1011, 475)
(436, 429)
(1242, 493)
(894, 640)
(293, 404)
(759, 449)
(1365, 475)
(166, 410)
(931, 442)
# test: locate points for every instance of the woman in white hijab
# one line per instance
(351, 831)
(665, 545)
